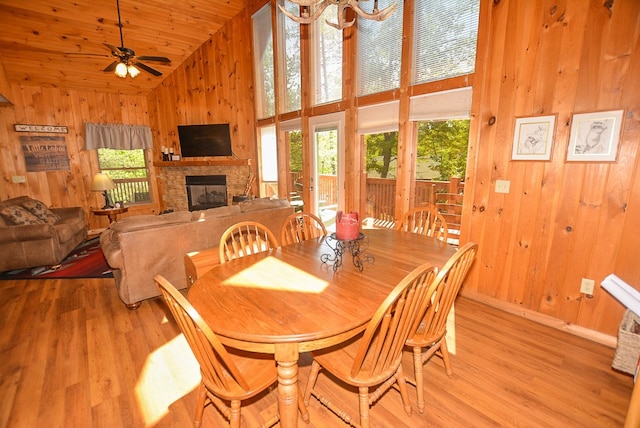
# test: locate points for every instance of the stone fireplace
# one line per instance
(206, 191)
(174, 181)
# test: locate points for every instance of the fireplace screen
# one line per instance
(206, 191)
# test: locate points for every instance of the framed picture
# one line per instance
(533, 138)
(594, 136)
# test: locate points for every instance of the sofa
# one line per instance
(31, 234)
(140, 247)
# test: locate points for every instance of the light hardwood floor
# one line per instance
(73, 356)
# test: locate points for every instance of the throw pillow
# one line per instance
(19, 216)
(41, 211)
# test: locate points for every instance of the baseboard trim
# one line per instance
(595, 336)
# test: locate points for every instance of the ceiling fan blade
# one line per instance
(148, 69)
(111, 66)
(154, 58)
(114, 50)
(85, 54)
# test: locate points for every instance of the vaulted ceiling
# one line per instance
(60, 43)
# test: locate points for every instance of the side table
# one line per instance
(111, 213)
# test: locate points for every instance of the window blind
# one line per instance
(446, 33)
(379, 50)
(378, 118)
(453, 104)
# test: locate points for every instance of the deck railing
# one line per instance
(445, 196)
(131, 191)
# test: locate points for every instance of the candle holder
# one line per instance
(355, 247)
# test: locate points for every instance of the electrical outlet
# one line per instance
(586, 286)
(19, 179)
(502, 186)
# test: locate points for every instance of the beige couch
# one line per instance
(138, 248)
(31, 234)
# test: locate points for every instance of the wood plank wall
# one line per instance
(214, 85)
(67, 107)
(561, 221)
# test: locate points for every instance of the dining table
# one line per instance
(299, 298)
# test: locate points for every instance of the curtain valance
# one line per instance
(120, 137)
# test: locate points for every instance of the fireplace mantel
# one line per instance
(221, 162)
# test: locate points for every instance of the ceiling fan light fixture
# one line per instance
(121, 70)
(133, 71)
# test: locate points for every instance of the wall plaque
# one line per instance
(40, 128)
(43, 153)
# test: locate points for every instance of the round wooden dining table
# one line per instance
(287, 301)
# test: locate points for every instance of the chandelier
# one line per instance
(318, 6)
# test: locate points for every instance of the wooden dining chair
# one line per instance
(424, 221)
(432, 331)
(228, 375)
(245, 238)
(300, 227)
(373, 358)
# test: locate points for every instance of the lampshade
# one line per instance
(102, 182)
(121, 70)
(133, 71)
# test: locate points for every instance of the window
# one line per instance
(289, 61)
(445, 39)
(263, 62)
(128, 170)
(379, 125)
(327, 58)
(268, 161)
(379, 50)
(293, 141)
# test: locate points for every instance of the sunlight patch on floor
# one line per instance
(169, 373)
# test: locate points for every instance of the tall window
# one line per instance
(445, 39)
(263, 62)
(268, 161)
(327, 59)
(128, 170)
(289, 42)
(379, 50)
(379, 125)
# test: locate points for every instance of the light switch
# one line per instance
(502, 186)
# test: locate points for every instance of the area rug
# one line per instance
(85, 261)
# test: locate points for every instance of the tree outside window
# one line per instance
(128, 170)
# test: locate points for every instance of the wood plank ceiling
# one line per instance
(59, 43)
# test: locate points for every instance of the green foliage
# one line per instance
(441, 144)
(445, 143)
(122, 164)
(295, 151)
(381, 150)
(327, 154)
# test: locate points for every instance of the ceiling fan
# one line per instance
(127, 62)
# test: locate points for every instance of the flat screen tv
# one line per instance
(205, 140)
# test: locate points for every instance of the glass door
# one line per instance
(327, 181)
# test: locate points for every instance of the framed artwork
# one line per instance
(533, 138)
(594, 136)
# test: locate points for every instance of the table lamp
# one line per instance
(102, 183)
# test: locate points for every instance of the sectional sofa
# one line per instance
(138, 248)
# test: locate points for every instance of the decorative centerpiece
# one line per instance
(347, 239)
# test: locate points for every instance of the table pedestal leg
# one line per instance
(287, 359)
